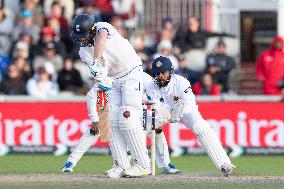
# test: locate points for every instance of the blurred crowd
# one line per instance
(38, 57)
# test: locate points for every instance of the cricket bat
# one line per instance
(153, 140)
(103, 111)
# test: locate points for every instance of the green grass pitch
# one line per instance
(247, 166)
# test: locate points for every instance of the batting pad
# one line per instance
(82, 146)
(134, 136)
(209, 142)
(118, 149)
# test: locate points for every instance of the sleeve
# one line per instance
(150, 93)
(186, 94)
(92, 104)
(106, 26)
(86, 55)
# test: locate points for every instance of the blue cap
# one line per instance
(161, 64)
(26, 13)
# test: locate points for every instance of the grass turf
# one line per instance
(246, 166)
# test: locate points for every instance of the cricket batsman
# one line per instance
(118, 69)
(175, 92)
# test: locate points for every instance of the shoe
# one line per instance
(111, 169)
(136, 171)
(228, 169)
(115, 172)
(68, 167)
(170, 169)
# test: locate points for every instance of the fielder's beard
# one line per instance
(162, 82)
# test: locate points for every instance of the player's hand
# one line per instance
(105, 84)
(94, 130)
(162, 114)
(98, 71)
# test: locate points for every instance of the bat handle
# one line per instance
(144, 117)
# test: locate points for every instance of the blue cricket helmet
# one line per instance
(161, 64)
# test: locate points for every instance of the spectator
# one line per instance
(127, 11)
(34, 7)
(26, 25)
(28, 39)
(13, 84)
(21, 49)
(69, 78)
(6, 28)
(281, 87)
(213, 70)
(58, 22)
(165, 49)
(190, 75)
(138, 43)
(116, 21)
(193, 37)
(41, 86)
(48, 36)
(4, 62)
(68, 6)
(270, 67)
(90, 9)
(105, 7)
(206, 86)
(23, 67)
(167, 32)
(49, 55)
(224, 65)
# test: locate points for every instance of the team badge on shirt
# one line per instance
(176, 98)
(159, 64)
(78, 28)
(94, 27)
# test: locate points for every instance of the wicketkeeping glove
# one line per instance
(177, 111)
(162, 115)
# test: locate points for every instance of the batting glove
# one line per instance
(98, 71)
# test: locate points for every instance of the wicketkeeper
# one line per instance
(174, 91)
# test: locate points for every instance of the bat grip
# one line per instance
(144, 117)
